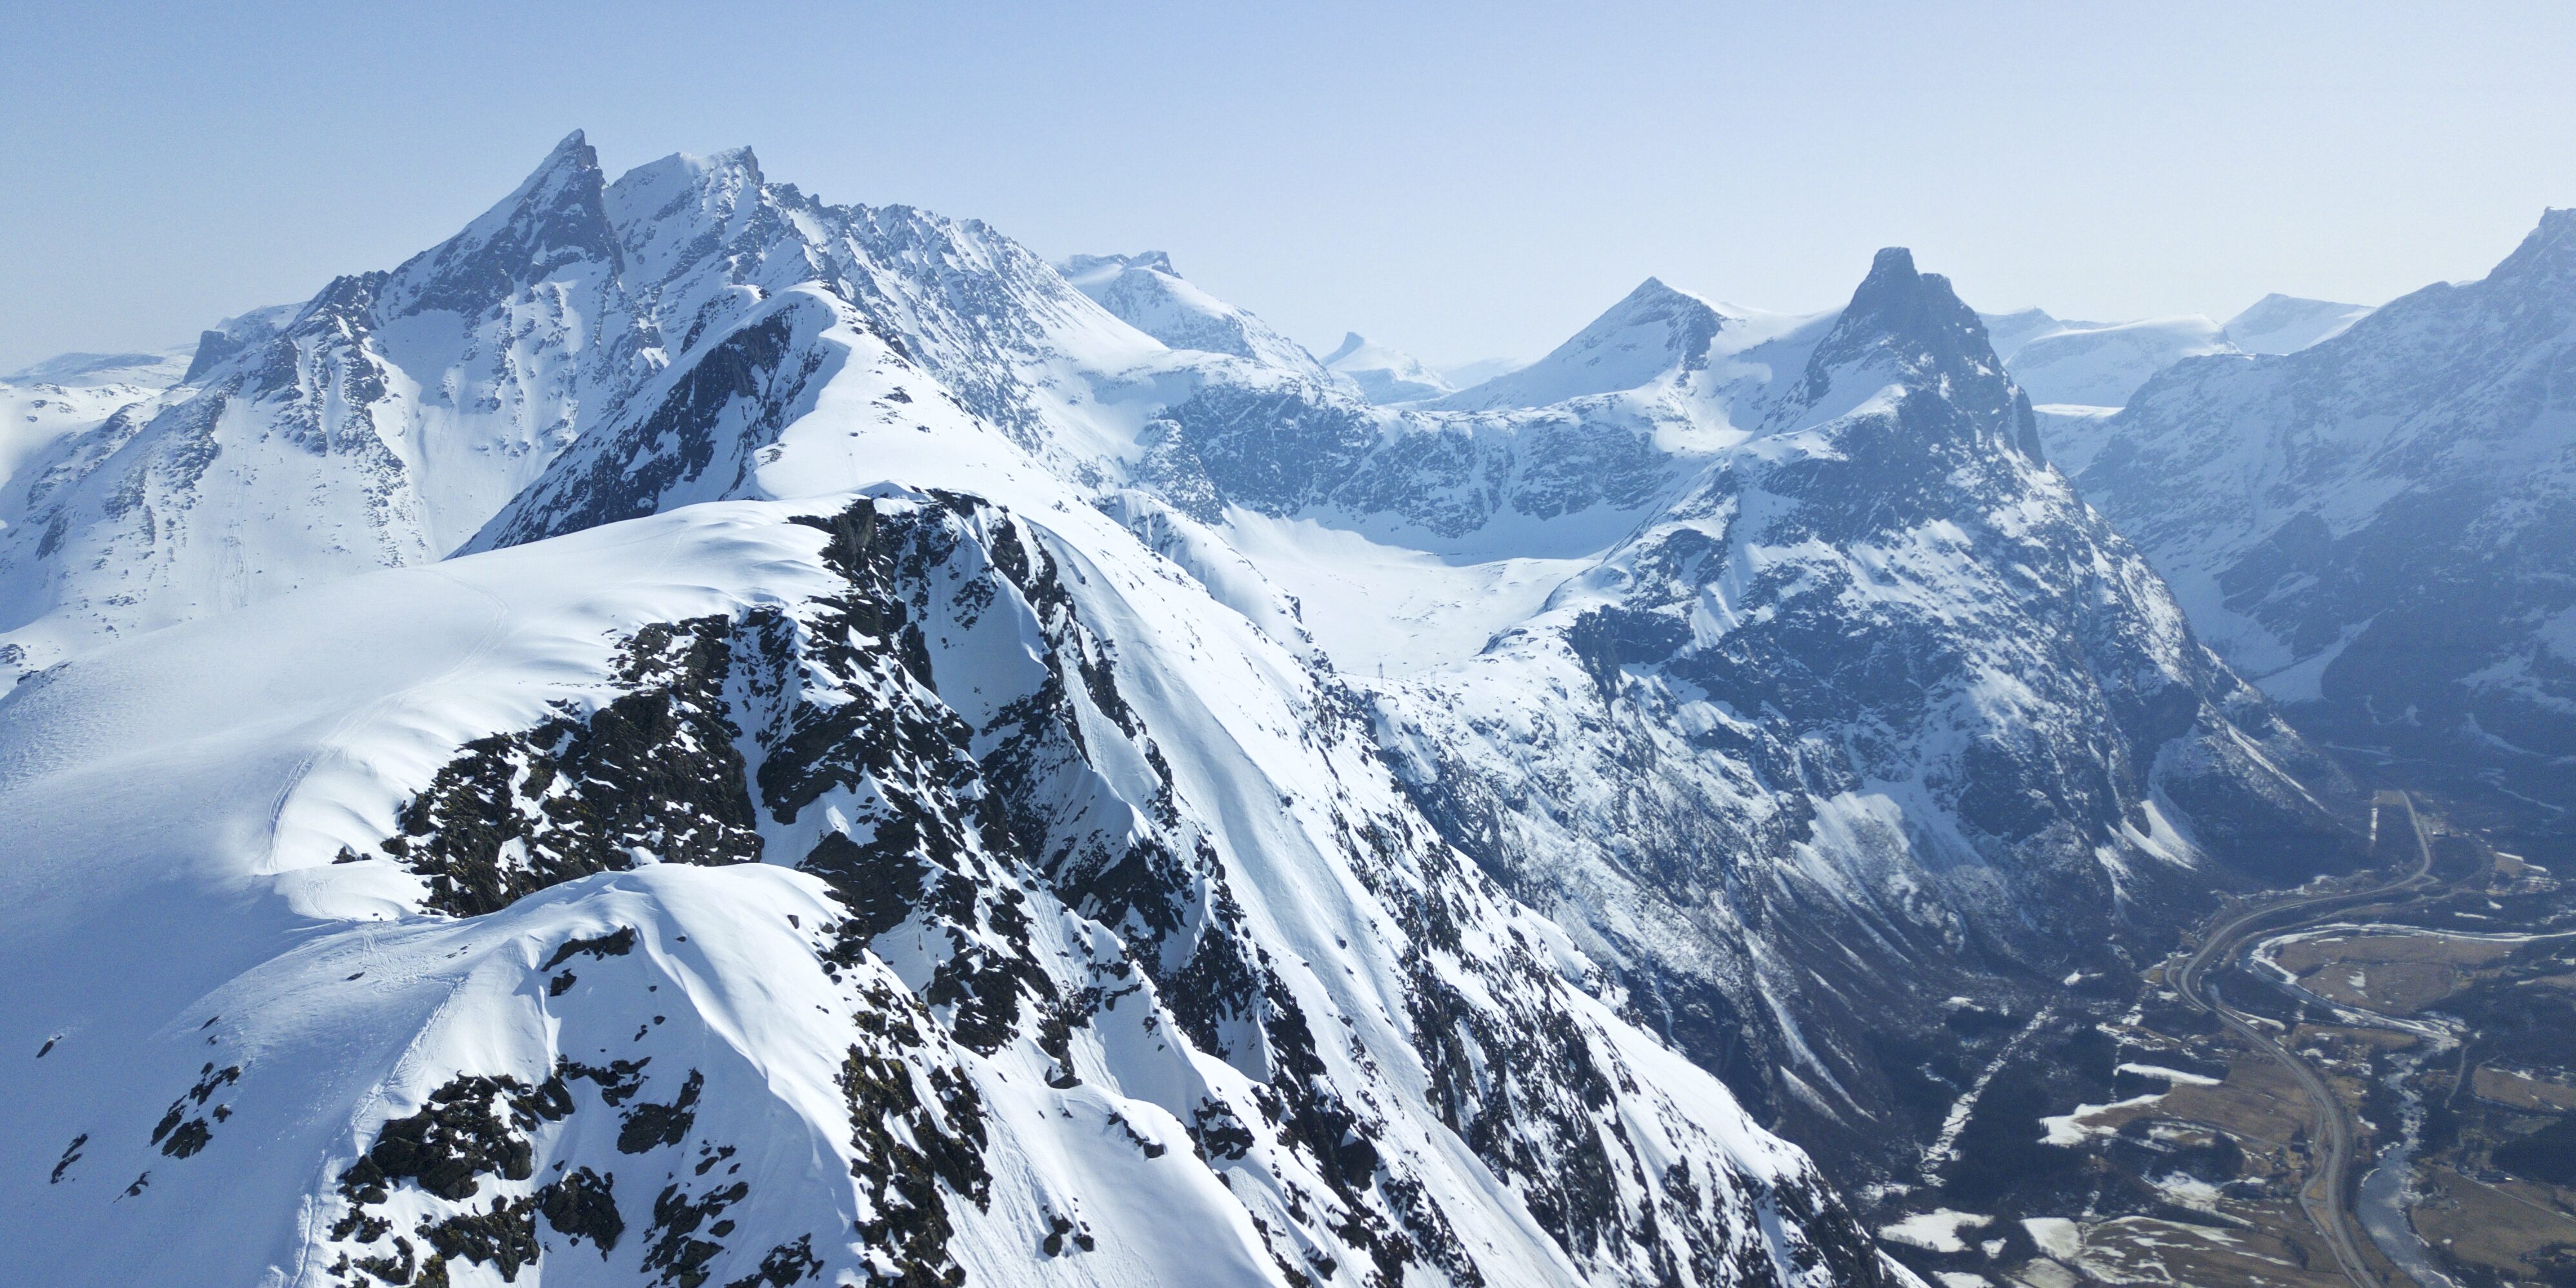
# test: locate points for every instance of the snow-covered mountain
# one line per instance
(2284, 324)
(1470, 374)
(750, 739)
(379, 425)
(1385, 374)
(1645, 337)
(2080, 365)
(2097, 364)
(843, 820)
(1147, 293)
(1733, 641)
(2378, 526)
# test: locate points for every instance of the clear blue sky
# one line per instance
(1462, 180)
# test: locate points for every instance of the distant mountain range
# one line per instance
(2100, 364)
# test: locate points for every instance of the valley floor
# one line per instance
(2370, 1081)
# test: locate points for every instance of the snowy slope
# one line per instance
(1469, 374)
(1385, 374)
(2096, 364)
(1147, 293)
(1772, 636)
(36, 414)
(2377, 525)
(394, 414)
(814, 841)
(1654, 332)
(2283, 324)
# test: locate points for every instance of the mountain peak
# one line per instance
(2548, 254)
(1896, 307)
(1144, 291)
(554, 218)
(1653, 331)
(1087, 271)
(1912, 325)
(2281, 324)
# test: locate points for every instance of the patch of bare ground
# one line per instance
(2529, 1092)
(2399, 974)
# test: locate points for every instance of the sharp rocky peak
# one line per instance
(555, 218)
(2545, 258)
(1911, 314)
(1911, 326)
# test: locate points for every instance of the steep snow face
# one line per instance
(2378, 526)
(1384, 374)
(2282, 324)
(2094, 364)
(882, 885)
(1147, 293)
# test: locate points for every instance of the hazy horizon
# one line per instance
(1458, 183)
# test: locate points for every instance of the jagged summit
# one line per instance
(849, 557)
(818, 840)
(1911, 327)
(2546, 255)
(554, 218)
(1913, 316)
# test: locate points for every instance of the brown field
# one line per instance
(2522, 1091)
(2500, 1227)
(2399, 974)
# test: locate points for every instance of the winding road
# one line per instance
(2322, 1196)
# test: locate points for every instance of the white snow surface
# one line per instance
(1147, 293)
(1385, 374)
(2100, 364)
(2313, 504)
(2281, 324)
